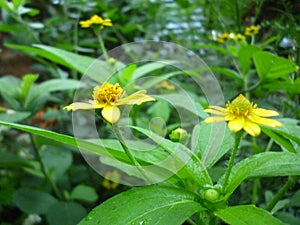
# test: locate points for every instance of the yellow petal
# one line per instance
(219, 108)
(136, 98)
(213, 111)
(214, 119)
(265, 121)
(111, 113)
(251, 128)
(236, 124)
(265, 112)
(80, 105)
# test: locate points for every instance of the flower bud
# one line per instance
(180, 135)
(211, 195)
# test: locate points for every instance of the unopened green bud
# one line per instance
(180, 135)
(211, 195)
(112, 61)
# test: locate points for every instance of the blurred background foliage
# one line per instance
(194, 24)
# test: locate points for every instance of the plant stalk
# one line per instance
(237, 140)
(44, 169)
(102, 46)
(129, 154)
(289, 183)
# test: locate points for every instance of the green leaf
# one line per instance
(211, 142)
(160, 109)
(221, 50)
(67, 213)
(27, 81)
(78, 143)
(33, 201)
(247, 215)
(271, 67)
(148, 68)
(10, 28)
(10, 85)
(126, 74)
(57, 160)
(146, 205)
(190, 105)
(9, 160)
(14, 116)
(266, 164)
(17, 3)
(84, 193)
(71, 60)
(286, 136)
(227, 72)
(279, 139)
(245, 54)
(183, 158)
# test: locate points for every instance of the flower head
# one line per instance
(252, 30)
(95, 19)
(239, 37)
(224, 37)
(111, 180)
(109, 97)
(165, 84)
(242, 114)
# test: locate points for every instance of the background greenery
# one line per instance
(40, 37)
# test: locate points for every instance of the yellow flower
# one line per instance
(224, 37)
(109, 97)
(252, 30)
(239, 37)
(165, 85)
(95, 19)
(242, 114)
(111, 180)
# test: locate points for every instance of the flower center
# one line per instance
(107, 93)
(240, 106)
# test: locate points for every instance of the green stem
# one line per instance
(98, 34)
(289, 183)
(129, 154)
(254, 191)
(237, 140)
(270, 144)
(44, 170)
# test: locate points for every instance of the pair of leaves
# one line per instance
(166, 205)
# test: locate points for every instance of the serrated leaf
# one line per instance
(146, 205)
(247, 215)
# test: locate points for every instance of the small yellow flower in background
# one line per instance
(165, 85)
(224, 37)
(239, 37)
(242, 114)
(95, 19)
(111, 179)
(109, 97)
(252, 30)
